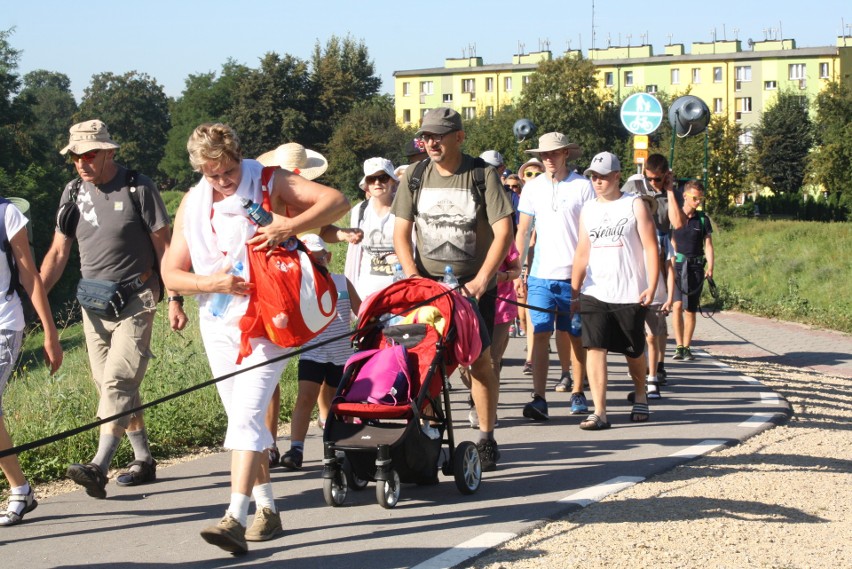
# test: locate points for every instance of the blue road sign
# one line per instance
(641, 113)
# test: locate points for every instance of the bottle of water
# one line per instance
(262, 218)
(449, 278)
(221, 300)
(576, 327)
(398, 275)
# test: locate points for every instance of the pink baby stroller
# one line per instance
(399, 437)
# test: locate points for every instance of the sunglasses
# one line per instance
(656, 179)
(531, 174)
(512, 186)
(694, 197)
(85, 157)
(383, 179)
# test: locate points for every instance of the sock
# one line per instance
(239, 507)
(651, 386)
(18, 507)
(263, 497)
(107, 445)
(486, 436)
(139, 442)
(661, 367)
(297, 445)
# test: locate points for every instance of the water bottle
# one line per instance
(576, 328)
(449, 278)
(221, 300)
(398, 275)
(262, 218)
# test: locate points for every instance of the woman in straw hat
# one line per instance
(212, 233)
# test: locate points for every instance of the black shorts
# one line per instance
(689, 281)
(317, 372)
(614, 327)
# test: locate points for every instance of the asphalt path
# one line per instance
(547, 469)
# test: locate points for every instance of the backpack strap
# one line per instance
(7, 248)
(361, 209)
(265, 177)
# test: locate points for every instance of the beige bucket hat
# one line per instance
(87, 136)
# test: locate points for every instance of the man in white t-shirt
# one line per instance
(553, 201)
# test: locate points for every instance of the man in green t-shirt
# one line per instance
(462, 226)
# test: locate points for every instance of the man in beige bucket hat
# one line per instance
(122, 230)
(553, 202)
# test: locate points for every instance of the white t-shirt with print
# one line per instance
(377, 252)
(11, 312)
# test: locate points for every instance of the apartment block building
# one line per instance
(733, 81)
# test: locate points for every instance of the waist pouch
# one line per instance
(680, 258)
(102, 297)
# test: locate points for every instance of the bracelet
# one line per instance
(176, 298)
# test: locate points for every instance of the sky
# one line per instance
(170, 40)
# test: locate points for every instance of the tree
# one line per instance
(727, 167)
(368, 130)
(782, 140)
(342, 74)
(136, 111)
(495, 133)
(830, 163)
(271, 105)
(54, 106)
(17, 148)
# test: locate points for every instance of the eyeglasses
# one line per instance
(430, 136)
(532, 174)
(85, 157)
(512, 186)
(382, 179)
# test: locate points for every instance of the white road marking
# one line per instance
(700, 449)
(464, 551)
(600, 491)
(757, 419)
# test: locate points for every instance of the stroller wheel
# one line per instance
(467, 469)
(352, 479)
(334, 489)
(387, 491)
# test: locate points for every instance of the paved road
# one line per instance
(547, 469)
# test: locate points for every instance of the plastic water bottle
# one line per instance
(221, 300)
(576, 327)
(398, 275)
(449, 278)
(262, 218)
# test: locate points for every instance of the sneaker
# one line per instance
(10, 517)
(662, 376)
(678, 355)
(473, 417)
(579, 405)
(90, 477)
(527, 368)
(266, 525)
(227, 534)
(687, 354)
(292, 459)
(137, 472)
(489, 454)
(274, 456)
(564, 382)
(536, 409)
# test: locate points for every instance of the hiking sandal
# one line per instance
(10, 517)
(147, 472)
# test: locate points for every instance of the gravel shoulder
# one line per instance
(782, 498)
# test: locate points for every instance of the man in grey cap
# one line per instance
(122, 229)
(553, 202)
(461, 224)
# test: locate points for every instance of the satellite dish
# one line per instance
(689, 116)
(523, 129)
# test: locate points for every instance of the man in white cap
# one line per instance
(122, 229)
(463, 227)
(616, 267)
(553, 202)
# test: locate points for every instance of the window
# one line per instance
(628, 78)
(468, 112)
(448, 98)
(717, 75)
(426, 88)
(823, 71)
(651, 89)
(489, 84)
(796, 71)
(422, 114)
(489, 112)
(742, 73)
(696, 75)
(406, 89)
(406, 116)
(718, 107)
(675, 76)
(770, 85)
(468, 86)
(526, 79)
(608, 79)
(507, 84)
(744, 104)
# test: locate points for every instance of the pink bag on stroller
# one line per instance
(383, 377)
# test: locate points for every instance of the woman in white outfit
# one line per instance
(211, 235)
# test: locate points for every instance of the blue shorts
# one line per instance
(550, 295)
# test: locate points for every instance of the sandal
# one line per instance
(147, 472)
(594, 423)
(10, 517)
(640, 413)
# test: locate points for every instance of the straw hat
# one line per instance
(296, 158)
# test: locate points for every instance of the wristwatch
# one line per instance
(176, 298)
